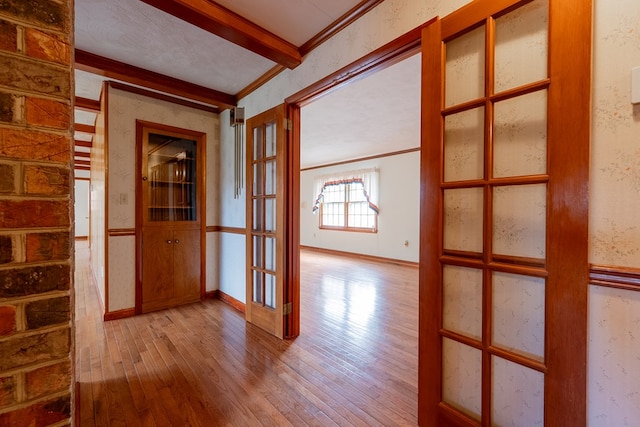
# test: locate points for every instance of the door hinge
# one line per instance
(288, 124)
(287, 309)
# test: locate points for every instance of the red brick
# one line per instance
(8, 36)
(7, 107)
(46, 180)
(24, 351)
(46, 46)
(40, 414)
(7, 320)
(7, 391)
(37, 76)
(34, 145)
(48, 380)
(47, 312)
(7, 253)
(48, 246)
(47, 113)
(34, 213)
(7, 178)
(42, 13)
(19, 282)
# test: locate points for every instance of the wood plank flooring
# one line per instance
(355, 363)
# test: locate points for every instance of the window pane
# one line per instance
(333, 214)
(270, 177)
(334, 193)
(258, 296)
(464, 78)
(271, 139)
(270, 290)
(258, 144)
(356, 192)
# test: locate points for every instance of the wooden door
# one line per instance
(169, 211)
(265, 220)
(504, 265)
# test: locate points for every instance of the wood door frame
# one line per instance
(385, 56)
(201, 138)
(567, 203)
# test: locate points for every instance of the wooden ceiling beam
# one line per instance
(113, 69)
(87, 144)
(79, 127)
(87, 104)
(224, 23)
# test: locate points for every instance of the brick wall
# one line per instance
(36, 252)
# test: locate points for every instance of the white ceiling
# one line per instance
(375, 115)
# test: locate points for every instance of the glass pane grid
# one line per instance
(345, 205)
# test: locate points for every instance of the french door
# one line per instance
(265, 225)
(504, 263)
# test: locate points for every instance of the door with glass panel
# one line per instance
(265, 181)
(504, 215)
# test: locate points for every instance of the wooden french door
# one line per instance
(504, 263)
(265, 224)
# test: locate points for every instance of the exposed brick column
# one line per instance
(36, 212)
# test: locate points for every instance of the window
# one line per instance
(347, 202)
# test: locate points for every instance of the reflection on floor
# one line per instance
(202, 365)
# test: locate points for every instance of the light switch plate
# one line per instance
(635, 85)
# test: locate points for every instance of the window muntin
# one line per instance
(345, 206)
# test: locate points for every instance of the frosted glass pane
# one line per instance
(271, 139)
(270, 253)
(258, 296)
(270, 290)
(464, 72)
(464, 145)
(462, 305)
(518, 395)
(519, 220)
(258, 179)
(258, 215)
(463, 213)
(258, 252)
(520, 136)
(522, 46)
(270, 215)
(462, 377)
(258, 144)
(518, 314)
(270, 177)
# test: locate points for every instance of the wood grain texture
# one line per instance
(355, 362)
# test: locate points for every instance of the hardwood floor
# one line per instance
(355, 362)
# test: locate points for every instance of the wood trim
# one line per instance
(81, 154)
(403, 47)
(338, 25)
(88, 144)
(344, 21)
(224, 23)
(429, 340)
(232, 230)
(110, 68)
(81, 238)
(79, 127)
(87, 104)
(104, 108)
(119, 314)
(215, 294)
(615, 277)
(212, 228)
(119, 232)
(362, 159)
(263, 79)
(360, 257)
(228, 299)
(568, 203)
(163, 97)
(82, 162)
(82, 168)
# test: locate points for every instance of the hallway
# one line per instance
(355, 362)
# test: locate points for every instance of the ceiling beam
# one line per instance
(87, 144)
(87, 104)
(79, 127)
(113, 69)
(224, 23)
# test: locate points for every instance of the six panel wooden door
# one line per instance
(504, 216)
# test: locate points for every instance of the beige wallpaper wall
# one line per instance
(614, 315)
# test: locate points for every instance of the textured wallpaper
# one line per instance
(614, 315)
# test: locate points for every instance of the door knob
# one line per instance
(177, 241)
(169, 241)
(144, 178)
